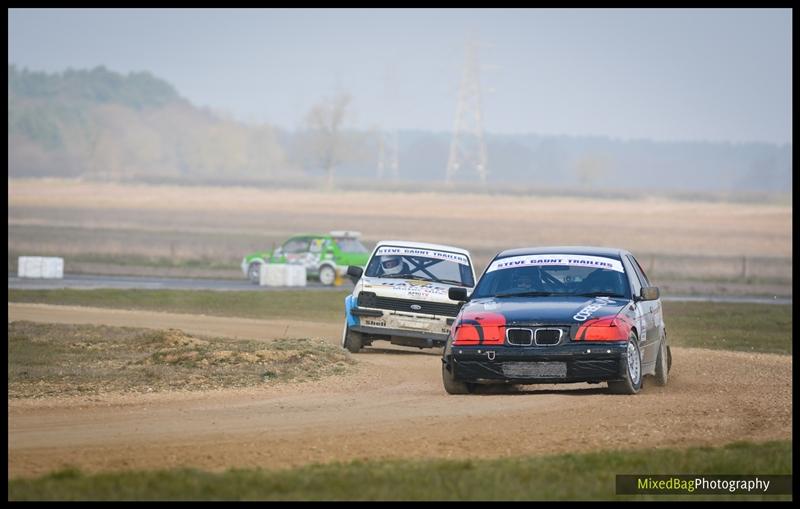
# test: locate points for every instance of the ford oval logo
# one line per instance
(416, 307)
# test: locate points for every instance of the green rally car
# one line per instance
(324, 256)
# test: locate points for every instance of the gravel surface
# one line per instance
(392, 406)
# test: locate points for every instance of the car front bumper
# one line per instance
(396, 335)
(383, 322)
(574, 362)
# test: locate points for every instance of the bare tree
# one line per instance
(327, 142)
(591, 168)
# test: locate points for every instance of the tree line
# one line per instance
(103, 124)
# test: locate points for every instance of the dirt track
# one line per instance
(393, 407)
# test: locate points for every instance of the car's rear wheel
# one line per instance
(453, 386)
(633, 371)
(351, 340)
(662, 363)
(254, 272)
(327, 275)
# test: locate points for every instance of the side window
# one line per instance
(350, 245)
(316, 245)
(466, 275)
(296, 246)
(633, 277)
(639, 271)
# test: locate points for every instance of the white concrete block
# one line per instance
(295, 275)
(29, 266)
(40, 267)
(282, 274)
(53, 268)
(272, 274)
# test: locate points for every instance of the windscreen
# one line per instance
(422, 264)
(557, 274)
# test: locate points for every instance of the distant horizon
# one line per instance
(223, 113)
(666, 75)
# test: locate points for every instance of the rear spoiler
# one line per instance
(346, 233)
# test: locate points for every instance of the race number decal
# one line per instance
(586, 311)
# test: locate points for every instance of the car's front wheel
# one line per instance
(632, 383)
(351, 340)
(453, 386)
(327, 275)
(254, 272)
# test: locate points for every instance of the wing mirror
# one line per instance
(650, 293)
(355, 272)
(458, 293)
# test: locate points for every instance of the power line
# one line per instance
(388, 153)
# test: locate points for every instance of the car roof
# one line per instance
(334, 234)
(303, 235)
(346, 234)
(424, 245)
(608, 252)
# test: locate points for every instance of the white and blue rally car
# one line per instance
(402, 295)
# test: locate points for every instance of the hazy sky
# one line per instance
(660, 74)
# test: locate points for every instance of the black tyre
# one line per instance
(662, 363)
(669, 358)
(254, 272)
(633, 371)
(453, 386)
(351, 340)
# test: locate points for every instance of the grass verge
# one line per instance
(588, 476)
(726, 326)
(57, 360)
(730, 326)
(317, 306)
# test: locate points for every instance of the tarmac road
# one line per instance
(88, 282)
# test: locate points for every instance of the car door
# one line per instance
(641, 310)
(656, 311)
(652, 310)
(330, 251)
(316, 250)
(295, 250)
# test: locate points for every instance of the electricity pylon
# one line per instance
(388, 153)
(468, 147)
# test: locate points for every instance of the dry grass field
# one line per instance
(208, 229)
